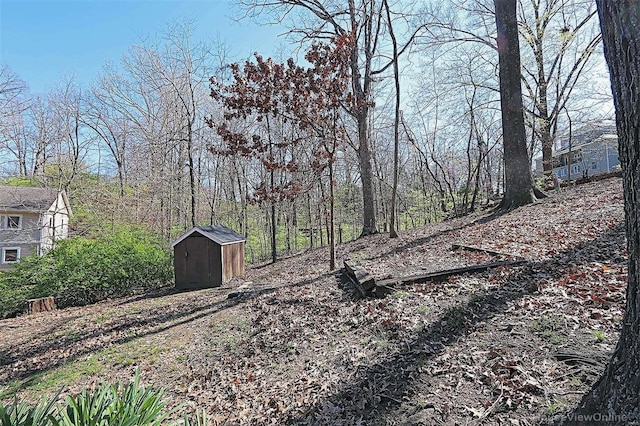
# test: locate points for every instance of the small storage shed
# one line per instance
(207, 256)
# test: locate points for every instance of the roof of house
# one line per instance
(27, 198)
(601, 140)
(604, 139)
(217, 233)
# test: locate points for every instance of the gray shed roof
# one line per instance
(26, 198)
(217, 233)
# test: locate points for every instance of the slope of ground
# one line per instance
(515, 345)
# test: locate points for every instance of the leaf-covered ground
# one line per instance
(516, 345)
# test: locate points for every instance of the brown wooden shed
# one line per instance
(207, 256)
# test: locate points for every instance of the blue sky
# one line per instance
(43, 41)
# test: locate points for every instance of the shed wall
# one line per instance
(197, 263)
(233, 258)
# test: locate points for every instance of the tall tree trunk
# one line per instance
(366, 176)
(272, 183)
(518, 181)
(192, 178)
(361, 85)
(287, 220)
(543, 110)
(294, 219)
(274, 223)
(322, 215)
(617, 393)
(396, 126)
(310, 220)
(332, 232)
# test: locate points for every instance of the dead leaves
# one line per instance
(472, 349)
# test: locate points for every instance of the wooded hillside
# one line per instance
(298, 345)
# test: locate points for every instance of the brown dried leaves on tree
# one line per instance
(307, 101)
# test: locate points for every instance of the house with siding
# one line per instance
(31, 221)
(592, 151)
(592, 158)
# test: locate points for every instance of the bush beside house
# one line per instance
(80, 271)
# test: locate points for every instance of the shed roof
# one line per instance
(26, 198)
(217, 233)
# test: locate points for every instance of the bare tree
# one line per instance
(42, 121)
(561, 36)
(13, 129)
(177, 69)
(559, 39)
(71, 147)
(14, 139)
(12, 88)
(113, 129)
(186, 75)
(150, 116)
(396, 123)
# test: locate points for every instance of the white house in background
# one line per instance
(31, 221)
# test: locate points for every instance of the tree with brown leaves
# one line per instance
(266, 97)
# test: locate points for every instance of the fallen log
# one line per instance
(361, 278)
(483, 250)
(428, 276)
(367, 285)
(43, 304)
(573, 358)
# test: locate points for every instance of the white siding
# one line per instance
(55, 223)
(38, 231)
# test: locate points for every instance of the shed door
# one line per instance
(197, 270)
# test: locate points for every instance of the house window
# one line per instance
(11, 222)
(594, 165)
(10, 254)
(576, 158)
(14, 222)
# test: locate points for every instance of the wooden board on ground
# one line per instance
(483, 250)
(428, 276)
(368, 285)
(361, 278)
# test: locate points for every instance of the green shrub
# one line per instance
(117, 404)
(80, 271)
(109, 405)
(22, 414)
(12, 300)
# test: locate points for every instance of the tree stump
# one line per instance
(43, 304)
